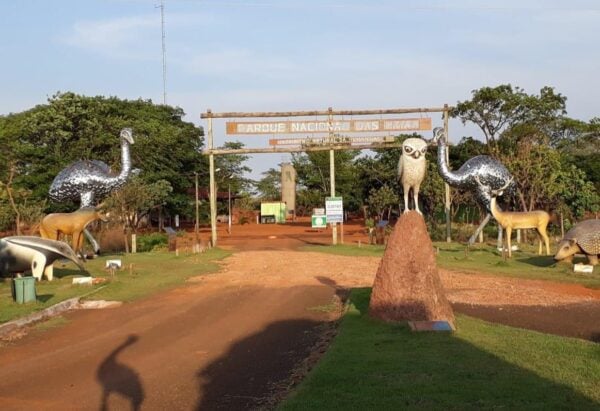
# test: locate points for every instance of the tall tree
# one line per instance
(269, 187)
(497, 109)
(72, 127)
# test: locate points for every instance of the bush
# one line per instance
(148, 242)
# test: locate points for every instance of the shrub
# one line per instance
(148, 242)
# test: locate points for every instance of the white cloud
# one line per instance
(115, 37)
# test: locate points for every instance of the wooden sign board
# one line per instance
(324, 126)
(326, 140)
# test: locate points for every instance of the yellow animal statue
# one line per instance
(71, 224)
(511, 220)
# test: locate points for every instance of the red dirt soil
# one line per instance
(231, 340)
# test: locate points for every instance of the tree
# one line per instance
(269, 187)
(313, 177)
(497, 109)
(72, 127)
(232, 169)
(381, 201)
(135, 200)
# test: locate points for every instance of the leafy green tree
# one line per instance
(497, 109)
(381, 201)
(232, 169)
(72, 127)
(269, 187)
(313, 178)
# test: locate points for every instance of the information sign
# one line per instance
(334, 209)
(319, 221)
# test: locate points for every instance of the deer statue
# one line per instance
(70, 224)
(510, 220)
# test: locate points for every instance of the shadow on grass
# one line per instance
(538, 261)
(44, 298)
(69, 272)
(374, 365)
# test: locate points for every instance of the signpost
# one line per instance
(318, 221)
(334, 209)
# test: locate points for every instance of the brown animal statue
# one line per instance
(71, 224)
(510, 220)
(583, 238)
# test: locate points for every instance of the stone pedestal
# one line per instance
(407, 286)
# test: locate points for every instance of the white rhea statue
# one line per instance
(411, 168)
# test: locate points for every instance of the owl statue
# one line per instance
(411, 168)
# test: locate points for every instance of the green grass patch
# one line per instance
(482, 366)
(482, 258)
(150, 273)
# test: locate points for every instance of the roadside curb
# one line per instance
(46, 313)
(54, 310)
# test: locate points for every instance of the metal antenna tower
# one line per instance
(164, 49)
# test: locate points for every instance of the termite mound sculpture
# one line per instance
(512, 220)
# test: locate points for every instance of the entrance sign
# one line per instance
(319, 221)
(334, 209)
(330, 123)
(325, 126)
(316, 141)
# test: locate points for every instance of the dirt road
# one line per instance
(224, 341)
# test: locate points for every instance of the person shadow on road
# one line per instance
(118, 378)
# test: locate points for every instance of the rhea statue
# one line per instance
(479, 174)
(411, 168)
(91, 180)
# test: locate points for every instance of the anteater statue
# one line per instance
(22, 253)
(71, 224)
(583, 238)
(90, 180)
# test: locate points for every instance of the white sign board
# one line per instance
(334, 209)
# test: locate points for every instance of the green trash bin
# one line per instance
(23, 289)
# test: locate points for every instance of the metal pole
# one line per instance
(164, 50)
(332, 174)
(446, 186)
(197, 227)
(213, 193)
(229, 201)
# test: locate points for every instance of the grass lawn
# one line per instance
(151, 272)
(483, 258)
(374, 365)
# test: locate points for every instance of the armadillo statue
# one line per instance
(583, 238)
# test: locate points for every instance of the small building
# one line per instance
(273, 212)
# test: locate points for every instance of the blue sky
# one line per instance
(253, 55)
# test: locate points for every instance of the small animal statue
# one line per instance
(22, 253)
(411, 168)
(511, 220)
(489, 170)
(71, 224)
(583, 238)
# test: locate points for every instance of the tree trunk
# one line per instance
(11, 198)
(133, 243)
